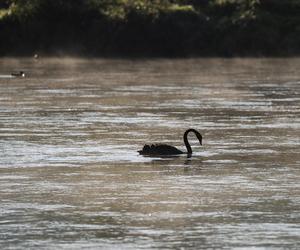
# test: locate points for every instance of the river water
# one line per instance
(71, 177)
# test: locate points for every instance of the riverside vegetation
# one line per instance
(172, 28)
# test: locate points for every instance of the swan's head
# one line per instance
(199, 136)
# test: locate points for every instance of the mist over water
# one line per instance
(71, 177)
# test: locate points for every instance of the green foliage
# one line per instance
(151, 27)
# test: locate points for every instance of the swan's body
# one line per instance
(160, 149)
(18, 74)
(164, 149)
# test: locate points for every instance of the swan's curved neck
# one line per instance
(186, 142)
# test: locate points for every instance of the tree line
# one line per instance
(172, 28)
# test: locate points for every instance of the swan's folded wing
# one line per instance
(165, 149)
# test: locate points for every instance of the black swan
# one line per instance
(18, 74)
(164, 149)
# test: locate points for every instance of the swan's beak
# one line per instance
(200, 139)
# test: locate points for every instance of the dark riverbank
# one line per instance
(150, 28)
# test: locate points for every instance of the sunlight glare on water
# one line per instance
(71, 176)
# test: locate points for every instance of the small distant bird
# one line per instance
(164, 149)
(18, 74)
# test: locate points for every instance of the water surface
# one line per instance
(71, 177)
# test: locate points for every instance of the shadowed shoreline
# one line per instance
(146, 29)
